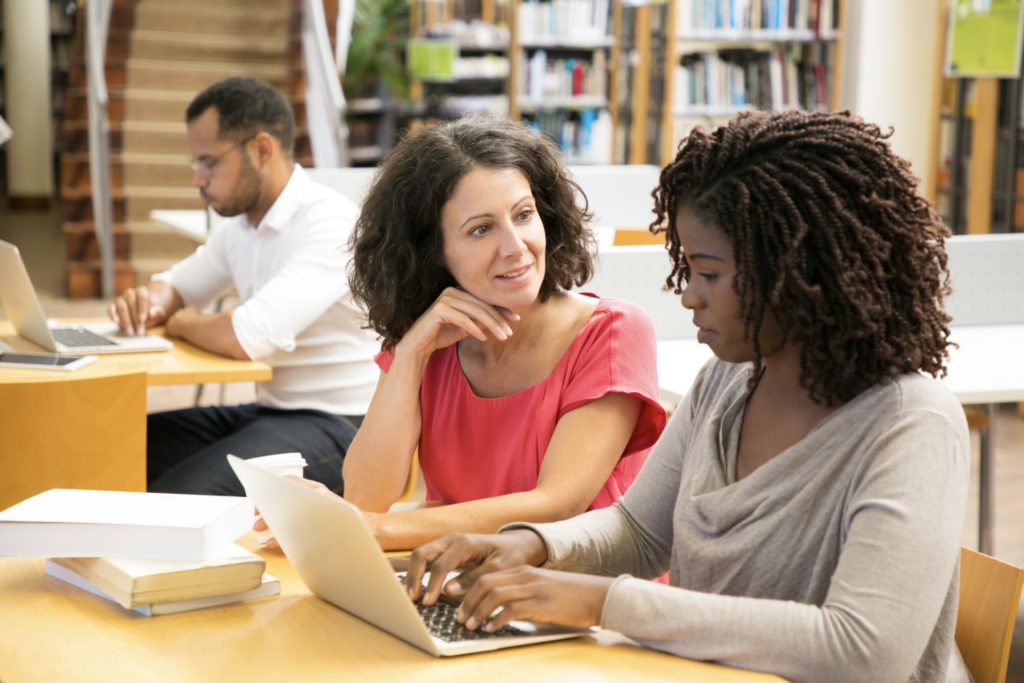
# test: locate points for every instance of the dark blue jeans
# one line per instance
(185, 449)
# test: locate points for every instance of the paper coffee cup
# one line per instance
(283, 465)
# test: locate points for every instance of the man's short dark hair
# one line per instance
(247, 106)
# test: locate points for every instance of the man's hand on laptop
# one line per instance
(472, 555)
(140, 307)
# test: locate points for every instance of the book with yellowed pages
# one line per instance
(155, 526)
(268, 587)
(132, 582)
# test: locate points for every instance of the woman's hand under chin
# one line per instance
(455, 315)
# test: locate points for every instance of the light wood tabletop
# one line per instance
(54, 631)
(183, 364)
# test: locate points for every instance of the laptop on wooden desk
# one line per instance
(19, 299)
(337, 557)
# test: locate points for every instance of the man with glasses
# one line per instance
(283, 249)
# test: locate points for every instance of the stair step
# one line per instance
(222, 3)
(158, 241)
(181, 46)
(255, 20)
(143, 168)
(193, 76)
(164, 137)
(141, 200)
(146, 267)
(144, 104)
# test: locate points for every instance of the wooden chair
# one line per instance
(411, 482)
(989, 594)
(85, 431)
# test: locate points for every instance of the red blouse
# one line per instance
(473, 447)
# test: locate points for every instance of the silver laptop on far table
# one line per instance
(22, 305)
(351, 572)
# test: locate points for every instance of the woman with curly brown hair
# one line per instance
(522, 399)
(808, 495)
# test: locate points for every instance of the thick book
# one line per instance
(131, 582)
(155, 526)
(268, 586)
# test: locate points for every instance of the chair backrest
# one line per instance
(989, 594)
(82, 431)
(984, 269)
(354, 183)
(631, 237)
(619, 195)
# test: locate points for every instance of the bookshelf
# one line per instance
(977, 181)
(979, 174)
(546, 62)
(459, 58)
(721, 57)
(62, 33)
(375, 81)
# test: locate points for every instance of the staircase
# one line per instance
(160, 55)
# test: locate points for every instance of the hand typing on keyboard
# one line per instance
(500, 581)
(146, 306)
(442, 621)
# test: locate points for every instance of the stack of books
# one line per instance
(154, 553)
(152, 587)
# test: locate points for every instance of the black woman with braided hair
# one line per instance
(808, 494)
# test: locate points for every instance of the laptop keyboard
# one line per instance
(440, 621)
(75, 337)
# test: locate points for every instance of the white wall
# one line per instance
(889, 71)
(27, 97)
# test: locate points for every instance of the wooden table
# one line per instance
(183, 364)
(87, 428)
(52, 631)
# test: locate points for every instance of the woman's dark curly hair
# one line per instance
(828, 235)
(397, 268)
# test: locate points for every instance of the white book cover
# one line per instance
(158, 526)
(268, 587)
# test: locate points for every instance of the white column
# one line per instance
(28, 105)
(889, 71)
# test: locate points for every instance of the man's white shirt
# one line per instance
(297, 312)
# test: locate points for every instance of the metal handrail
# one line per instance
(97, 22)
(325, 100)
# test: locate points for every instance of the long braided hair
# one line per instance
(828, 235)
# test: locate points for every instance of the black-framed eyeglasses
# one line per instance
(205, 165)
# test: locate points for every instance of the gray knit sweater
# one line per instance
(835, 561)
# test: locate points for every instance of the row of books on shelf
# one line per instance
(724, 82)
(565, 22)
(471, 35)
(583, 137)
(546, 78)
(814, 17)
(453, 106)
(440, 60)
(152, 553)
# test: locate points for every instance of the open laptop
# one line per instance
(351, 571)
(22, 305)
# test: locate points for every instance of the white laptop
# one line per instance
(22, 305)
(351, 571)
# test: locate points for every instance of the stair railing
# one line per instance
(97, 15)
(325, 100)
